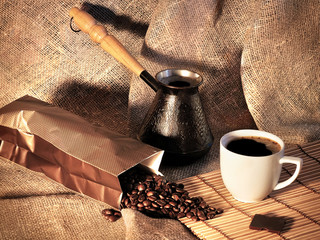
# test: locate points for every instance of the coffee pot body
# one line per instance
(175, 121)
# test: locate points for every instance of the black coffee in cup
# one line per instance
(254, 146)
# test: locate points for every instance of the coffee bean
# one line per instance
(182, 208)
(134, 197)
(162, 196)
(195, 218)
(149, 178)
(152, 198)
(189, 215)
(187, 210)
(219, 211)
(134, 207)
(211, 215)
(141, 187)
(173, 203)
(141, 198)
(167, 206)
(155, 205)
(169, 190)
(164, 211)
(107, 211)
(175, 196)
(180, 186)
(134, 202)
(203, 204)
(117, 213)
(111, 214)
(146, 203)
(201, 214)
(161, 202)
(140, 205)
(151, 193)
(172, 215)
(194, 211)
(175, 209)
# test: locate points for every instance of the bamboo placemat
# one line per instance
(299, 203)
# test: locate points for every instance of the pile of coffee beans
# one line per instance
(154, 196)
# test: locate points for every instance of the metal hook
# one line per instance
(75, 30)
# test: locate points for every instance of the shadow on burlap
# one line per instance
(259, 61)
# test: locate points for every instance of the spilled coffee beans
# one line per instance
(111, 214)
(154, 196)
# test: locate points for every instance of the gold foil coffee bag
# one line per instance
(69, 150)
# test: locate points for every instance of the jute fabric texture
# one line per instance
(259, 61)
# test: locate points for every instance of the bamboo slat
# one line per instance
(298, 203)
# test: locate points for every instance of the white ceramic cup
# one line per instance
(251, 179)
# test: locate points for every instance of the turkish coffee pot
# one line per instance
(175, 121)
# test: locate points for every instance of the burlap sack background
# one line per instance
(259, 61)
(281, 70)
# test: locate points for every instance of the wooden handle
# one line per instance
(98, 34)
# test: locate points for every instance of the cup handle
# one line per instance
(293, 160)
